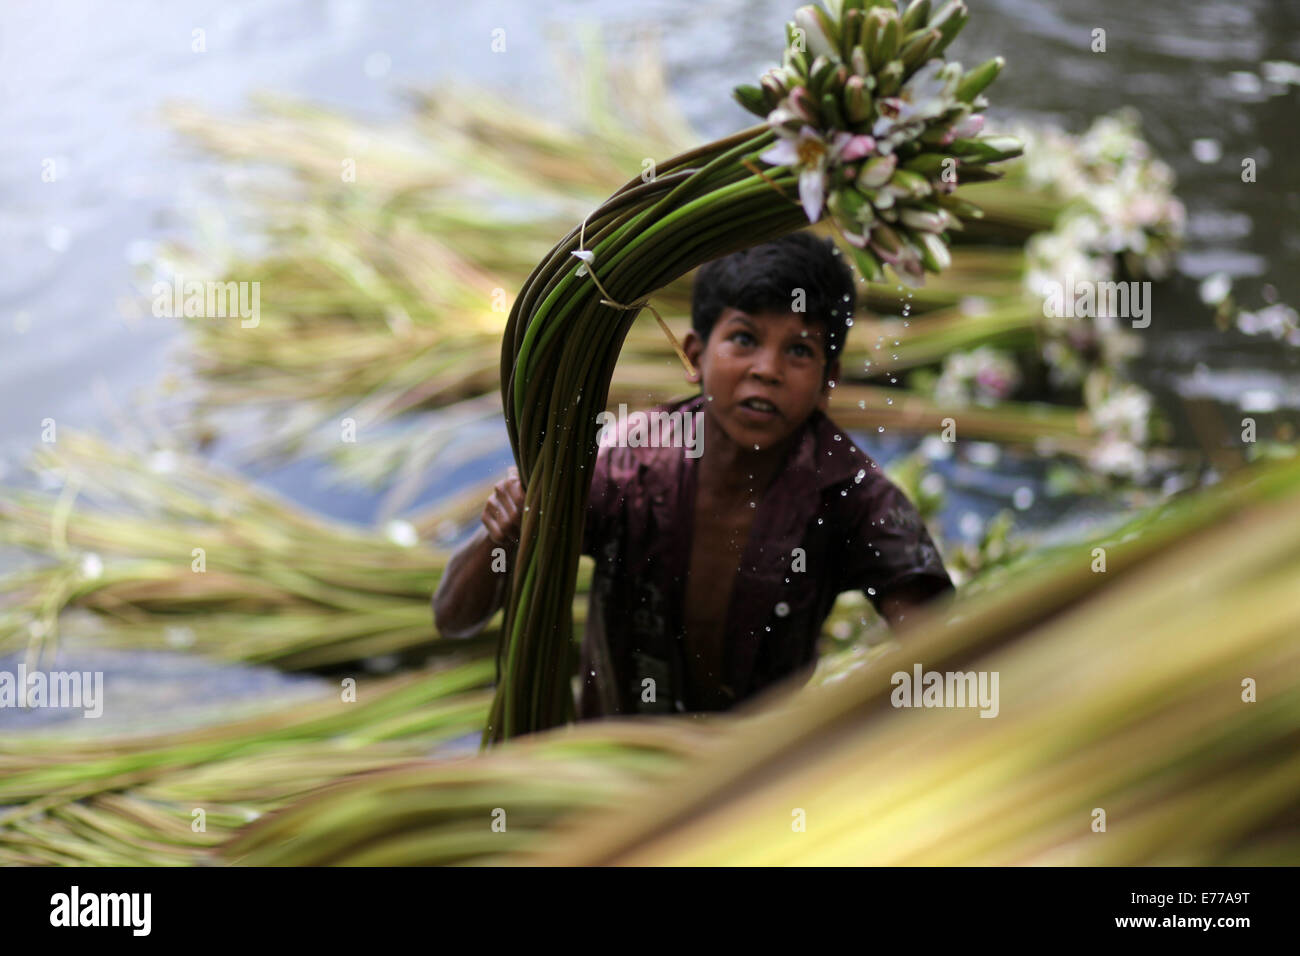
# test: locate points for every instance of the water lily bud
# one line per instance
(857, 100)
(889, 37)
(753, 98)
(1002, 147)
(979, 174)
(960, 207)
(880, 199)
(930, 164)
(909, 268)
(924, 221)
(850, 31)
(831, 111)
(886, 241)
(876, 172)
(861, 66)
(910, 183)
(845, 205)
(773, 82)
(917, 13)
(988, 150)
(952, 10)
(974, 82)
(968, 127)
(949, 26)
(935, 254)
(785, 118)
(871, 30)
(822, 68)
(917, 50)
(889, 78)
(869, 266)
(800, 103)
(822, 38)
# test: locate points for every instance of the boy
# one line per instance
(715, 569)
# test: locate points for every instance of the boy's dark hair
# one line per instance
(764, 278)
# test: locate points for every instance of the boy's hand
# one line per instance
(501, 514)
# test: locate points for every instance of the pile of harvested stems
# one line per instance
(1129, 730)
(866, 122)
(172, 552)
(485, 809)
(1119, 690)
(134, 801)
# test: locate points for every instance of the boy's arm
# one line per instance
(891, 555)
(896, 605)
(470, 591)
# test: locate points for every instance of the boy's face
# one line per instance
(764, 373)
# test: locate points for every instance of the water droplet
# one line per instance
(880, 428)
(862, 403)
(782, 609)
(889, 401)
(836, 437)
(871, 591)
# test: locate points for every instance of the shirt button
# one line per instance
(782, 609)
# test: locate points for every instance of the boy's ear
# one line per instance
(832, 375)
(693, 346)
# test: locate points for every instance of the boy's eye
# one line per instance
(741, 337)
(802, 350)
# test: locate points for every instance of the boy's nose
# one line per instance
(766, 366)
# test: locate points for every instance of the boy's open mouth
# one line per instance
(759, 407)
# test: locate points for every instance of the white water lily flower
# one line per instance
(808, 152)
(1125, 412)
(928, 94)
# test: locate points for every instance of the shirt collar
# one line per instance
(818, 460)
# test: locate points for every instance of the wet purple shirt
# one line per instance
(856, 529)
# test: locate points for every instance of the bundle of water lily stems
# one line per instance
(1147, 714)
(863, 120)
